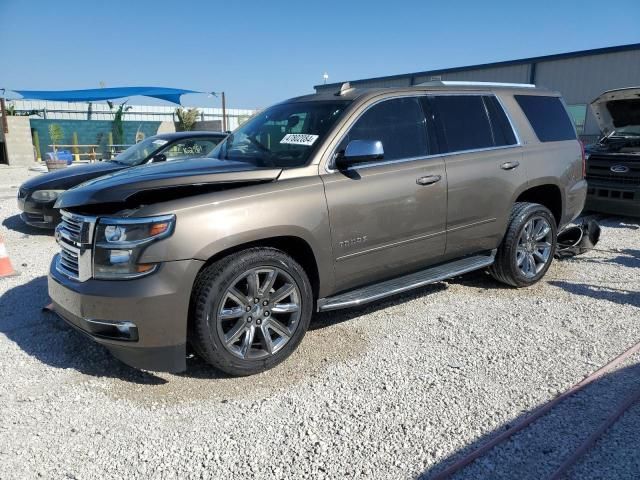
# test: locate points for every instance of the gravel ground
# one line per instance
(398, 389)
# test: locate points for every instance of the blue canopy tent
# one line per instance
(172, 95)
(97, 94)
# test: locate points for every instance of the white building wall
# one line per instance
(101, 111)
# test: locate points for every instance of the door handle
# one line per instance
(510, 165)
(428, 180)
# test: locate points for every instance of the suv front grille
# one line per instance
(69, 261)
(599, 169)
(74, 235)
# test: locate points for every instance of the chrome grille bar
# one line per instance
(74, 235)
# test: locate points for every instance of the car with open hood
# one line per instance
(37, 196)
(613, 163)
(318, 203)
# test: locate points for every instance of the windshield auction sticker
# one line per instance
(299, 139)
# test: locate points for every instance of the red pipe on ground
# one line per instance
(536, 414)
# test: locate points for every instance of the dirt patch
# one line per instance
(325, 345)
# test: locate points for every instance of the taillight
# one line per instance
(584, 160)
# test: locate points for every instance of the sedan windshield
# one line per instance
(282, 136)
(139, 152)
(170, 150)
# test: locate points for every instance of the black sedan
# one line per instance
(37, 196)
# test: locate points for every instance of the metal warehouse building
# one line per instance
(579, 76)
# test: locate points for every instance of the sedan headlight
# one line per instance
(46, 195)
(121, 241)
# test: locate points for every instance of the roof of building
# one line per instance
(544, 58)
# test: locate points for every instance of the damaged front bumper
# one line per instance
(577, 239)
(142, 322)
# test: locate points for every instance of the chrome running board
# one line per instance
(397, 285)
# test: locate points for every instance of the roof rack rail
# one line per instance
(476, 84)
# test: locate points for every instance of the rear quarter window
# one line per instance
(502, 130)
(547, 117)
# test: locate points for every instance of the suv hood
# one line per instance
(617, 108)
(169, 176)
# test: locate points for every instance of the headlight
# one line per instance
(46, 195)
(121, 241)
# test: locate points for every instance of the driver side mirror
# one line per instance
(161, 157)
(359, 151)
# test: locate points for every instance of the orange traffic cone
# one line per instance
(6, 269)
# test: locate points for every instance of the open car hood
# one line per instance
(119, 187)
(617, 108)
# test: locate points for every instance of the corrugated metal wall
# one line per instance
(579, 79)
(511, 73)
(582, 79)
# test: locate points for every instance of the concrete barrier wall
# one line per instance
(18, 143)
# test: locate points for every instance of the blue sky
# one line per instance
(261, 52)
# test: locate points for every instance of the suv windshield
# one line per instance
(139, 152)
(282, 136)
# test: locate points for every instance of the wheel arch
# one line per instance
(548, 194)
(295, 246)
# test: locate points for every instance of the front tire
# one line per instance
(250, 310)
(526, 252)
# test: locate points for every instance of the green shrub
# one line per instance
(186, 118)
(56, 134)
(36, 144)
(74, 141)
(117, 127)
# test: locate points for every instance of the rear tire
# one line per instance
(526, 252)
(250, 310)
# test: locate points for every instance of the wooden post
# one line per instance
(3, 112)
(224, 114)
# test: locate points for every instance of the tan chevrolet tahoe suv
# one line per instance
(321, 202)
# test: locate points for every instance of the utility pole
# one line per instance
(224, 113)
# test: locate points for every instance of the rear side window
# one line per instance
(464, 122)
(547, 117)
(398, 123)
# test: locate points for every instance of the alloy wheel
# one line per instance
(259, 313)
(534, 246)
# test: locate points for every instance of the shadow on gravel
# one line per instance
(616, 295)
(627, 258)
(480, 279)
(17, 225)
(629, 223)
(327, 319)
(540, 448)
(48, 338)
